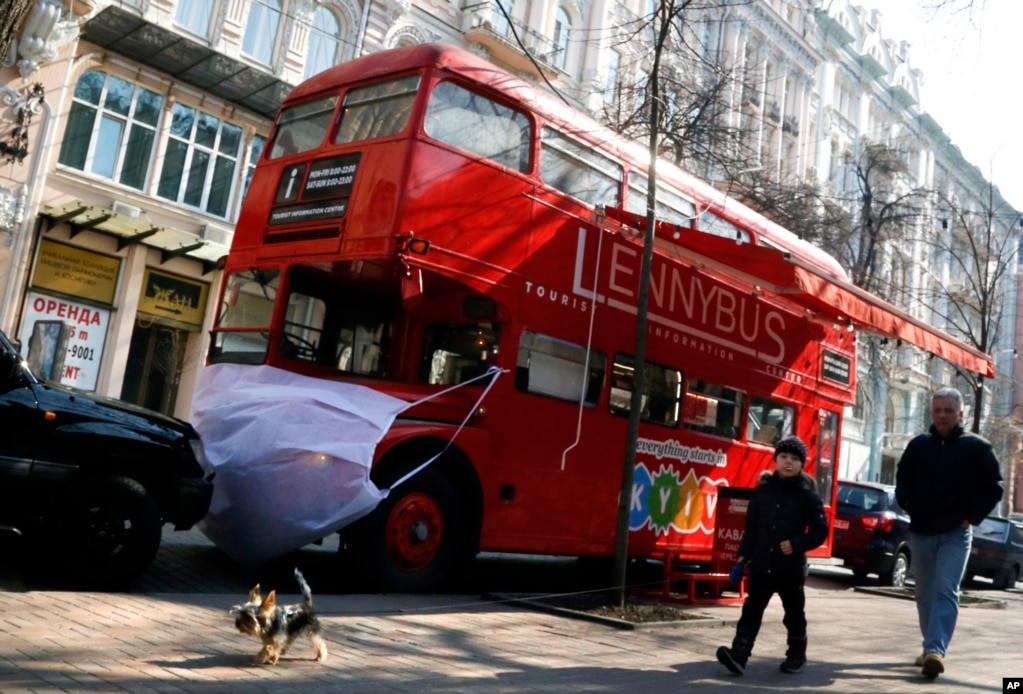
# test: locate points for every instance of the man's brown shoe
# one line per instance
(933, 665)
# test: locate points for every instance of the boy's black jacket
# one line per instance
(783, 509)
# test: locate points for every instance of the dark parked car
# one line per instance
(88, 482)
(872, 532)
(997, 552)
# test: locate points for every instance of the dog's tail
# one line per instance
(307, 592)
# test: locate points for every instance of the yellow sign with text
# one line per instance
(174, 298)
(76, 272)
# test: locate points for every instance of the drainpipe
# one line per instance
(22, 249)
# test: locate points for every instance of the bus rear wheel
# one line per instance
(410, 542)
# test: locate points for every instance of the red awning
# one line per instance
(786, 274)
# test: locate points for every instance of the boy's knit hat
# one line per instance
(793, 445)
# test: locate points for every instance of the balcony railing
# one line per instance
(497, 37)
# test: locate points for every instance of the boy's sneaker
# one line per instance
(733, 662)
(792, 664)
(933, 665)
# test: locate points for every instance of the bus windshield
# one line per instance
(302, 128)
(245, 315)
(378, 110)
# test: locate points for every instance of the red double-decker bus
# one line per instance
(421, 220)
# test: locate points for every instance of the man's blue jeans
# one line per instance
(939, 562)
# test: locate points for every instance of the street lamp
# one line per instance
(25, 103)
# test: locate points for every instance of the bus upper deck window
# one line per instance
(476, 124)
(302, 127)
(579, 170)
(378, 110)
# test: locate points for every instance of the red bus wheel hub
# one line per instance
(414, 532)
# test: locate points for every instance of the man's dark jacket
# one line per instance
(942, 481)
(779, 509)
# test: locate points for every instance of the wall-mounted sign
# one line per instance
(76, 271)
(63, 340)
(836, 367)
(173, 297)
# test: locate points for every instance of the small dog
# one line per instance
(279, 625)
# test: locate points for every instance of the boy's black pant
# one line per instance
(759, 589)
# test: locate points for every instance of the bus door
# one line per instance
(827, 462)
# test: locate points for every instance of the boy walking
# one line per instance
(784, 520)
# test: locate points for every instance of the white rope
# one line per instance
(493, 372)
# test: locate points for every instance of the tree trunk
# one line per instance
(10, 22)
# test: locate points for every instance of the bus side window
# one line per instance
(713, 409)
(769, 420)
(558, 369)
(458, 352)
(578, 170)
(661, 396)
(476, 124)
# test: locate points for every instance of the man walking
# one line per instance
(947, 481)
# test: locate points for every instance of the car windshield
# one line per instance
(863, 498)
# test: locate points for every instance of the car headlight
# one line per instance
(199, 451)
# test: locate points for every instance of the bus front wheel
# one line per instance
(410, 542)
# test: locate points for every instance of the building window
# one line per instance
(111, 129)
(562, 29)
(324, 42)
(201, 161)
(261, 30)
(498, 18)
(614, 66)
(255, 152)
(196, 15)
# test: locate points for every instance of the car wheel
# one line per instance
(896, 575)
(414, 537)
(106, 533)
(1009, 578)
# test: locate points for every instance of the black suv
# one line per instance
(88, 482)
(872, 532)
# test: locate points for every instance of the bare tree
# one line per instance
(10, 21)
(694, 90)
(980, 249)
(658, 112)
(802, 207)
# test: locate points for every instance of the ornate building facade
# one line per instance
(129, 129)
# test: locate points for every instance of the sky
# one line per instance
(972, 65)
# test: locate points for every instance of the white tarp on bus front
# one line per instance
(292, 456)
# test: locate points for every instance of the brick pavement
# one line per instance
(184, 641)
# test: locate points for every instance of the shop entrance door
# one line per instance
(154, 365)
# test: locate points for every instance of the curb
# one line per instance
(536, 602)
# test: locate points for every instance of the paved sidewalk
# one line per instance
(170, 642)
